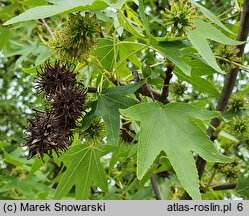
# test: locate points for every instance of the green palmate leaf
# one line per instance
(210, 16)
(199, 36)
(108, 105)
(242, 187)
(58, 7)
(171, 128)
(83, 169)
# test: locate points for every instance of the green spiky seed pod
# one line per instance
(180, 17)
(238, 126)
(77, 38)
(230, 170)
(237, 103)
(227, 56)
(95, 131)
(178, 88)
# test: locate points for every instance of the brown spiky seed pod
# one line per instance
(68, 105)
(54, 78)
(43, 136)
(51, 130)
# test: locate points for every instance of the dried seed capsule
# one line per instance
(51, 130)
(53, 78)
(68, 105)
(43, 136)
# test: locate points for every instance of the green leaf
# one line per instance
(43, 55)
(128, 50)
(228, 136)
(29, 187)
(12, 160)
(146, 22)
(201, 84)
(108, 104)
(201, 44)
(212, 33)
(24, 49)
(174, 54)
(5, 35)
(37, 164)
(210, 16)
(58, 7)
(242, 187)
(83, 169)
(105, 53)
(171, 128)
(199, 36)
(126, 23)
(198, 66)
(118, 4)
(32, 3)
(32, 70)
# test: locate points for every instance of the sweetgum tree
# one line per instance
(107, 99)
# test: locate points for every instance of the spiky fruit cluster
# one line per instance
(179, 17)
(52, 79)
(50, 130)
(237, 103)
(68, 105)
(227, 56)
(44, 135)
(77, 38)
(238, 126)
(95, 130)
(230, 170)
(178, 88)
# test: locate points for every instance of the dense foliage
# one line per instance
(120, 99)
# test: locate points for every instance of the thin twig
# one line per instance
(225, 186)
(228, 86)
(149, 92)
(37, 110)
(92, 90)
(165, 91)
(155, 187)
(146, 90)
(136, 79)
(47, 28)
